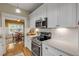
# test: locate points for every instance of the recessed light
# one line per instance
(18, 20)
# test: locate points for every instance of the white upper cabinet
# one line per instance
(77, 13)
(44, 10)
(33, 17)
(58, 14)
(67, 15)
(63, 15)
(39, 13)
(31, 21)
(52, 15)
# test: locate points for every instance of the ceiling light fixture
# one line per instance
(18, 20)
(17, 9)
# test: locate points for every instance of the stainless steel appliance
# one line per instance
(36, 47)
(37, 43)
(44, 36)
(42, 23)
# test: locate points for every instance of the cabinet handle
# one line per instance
(60, 55)
(78, 22)
(46, 48)
(57, 25)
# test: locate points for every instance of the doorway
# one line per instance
(15, 34)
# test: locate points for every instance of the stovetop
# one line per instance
(35, 40)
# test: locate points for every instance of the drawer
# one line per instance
(48, 51)
(56, 52)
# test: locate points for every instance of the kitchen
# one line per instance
(50, 29)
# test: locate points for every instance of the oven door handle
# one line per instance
(36, 44)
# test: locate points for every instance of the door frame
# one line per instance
(11, 17)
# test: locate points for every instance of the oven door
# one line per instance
(36, 49)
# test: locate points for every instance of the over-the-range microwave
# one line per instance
(42, 23)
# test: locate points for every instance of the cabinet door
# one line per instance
(52, 15)
(67, 15)
(41, 11)
(32, 19)
(34, 16)
(2, 46)
(44, 50)
(32, 22)
(77, 13)
(0, 21)
(2, 42)
(44, 10)
(55, 52)
(50, 51)
(28, 43)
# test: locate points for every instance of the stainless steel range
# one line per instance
(36, 47)
(37, 43)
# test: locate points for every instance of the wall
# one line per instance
(7, 8)
(13, 22)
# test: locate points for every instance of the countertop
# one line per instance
(63, 46)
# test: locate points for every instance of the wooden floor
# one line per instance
(18, 48)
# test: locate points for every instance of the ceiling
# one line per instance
(27, 6)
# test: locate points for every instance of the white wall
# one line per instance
(6, 8)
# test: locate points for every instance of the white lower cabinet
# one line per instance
(28, 43)
(2, 47)
(1, 50)
(50, 51)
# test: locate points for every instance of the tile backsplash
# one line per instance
(65, 39)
